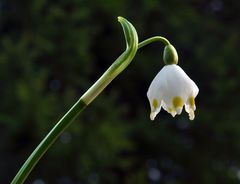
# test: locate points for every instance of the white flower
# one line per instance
(172, 89)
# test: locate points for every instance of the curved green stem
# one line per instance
(153, 39)
(117, 67)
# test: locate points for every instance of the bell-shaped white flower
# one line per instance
(172, 89)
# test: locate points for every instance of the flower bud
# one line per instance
(170, 55)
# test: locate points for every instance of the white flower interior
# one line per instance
(172, 89)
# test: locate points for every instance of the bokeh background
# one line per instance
(51, 52)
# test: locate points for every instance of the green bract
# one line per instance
(119, 65)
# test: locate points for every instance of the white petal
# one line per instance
(178, 83)
(190, 110)
(191, 115)
(153, 114)
(179, 110)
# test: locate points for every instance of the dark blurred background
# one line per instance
(51, 52)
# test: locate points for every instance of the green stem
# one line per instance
(117, 67)
(153, 39)
(48, 141)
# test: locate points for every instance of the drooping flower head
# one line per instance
(172, 89)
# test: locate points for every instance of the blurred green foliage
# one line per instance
(52, 51)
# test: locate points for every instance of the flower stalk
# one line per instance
(115, 69)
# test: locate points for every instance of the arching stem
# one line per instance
(153, 39)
